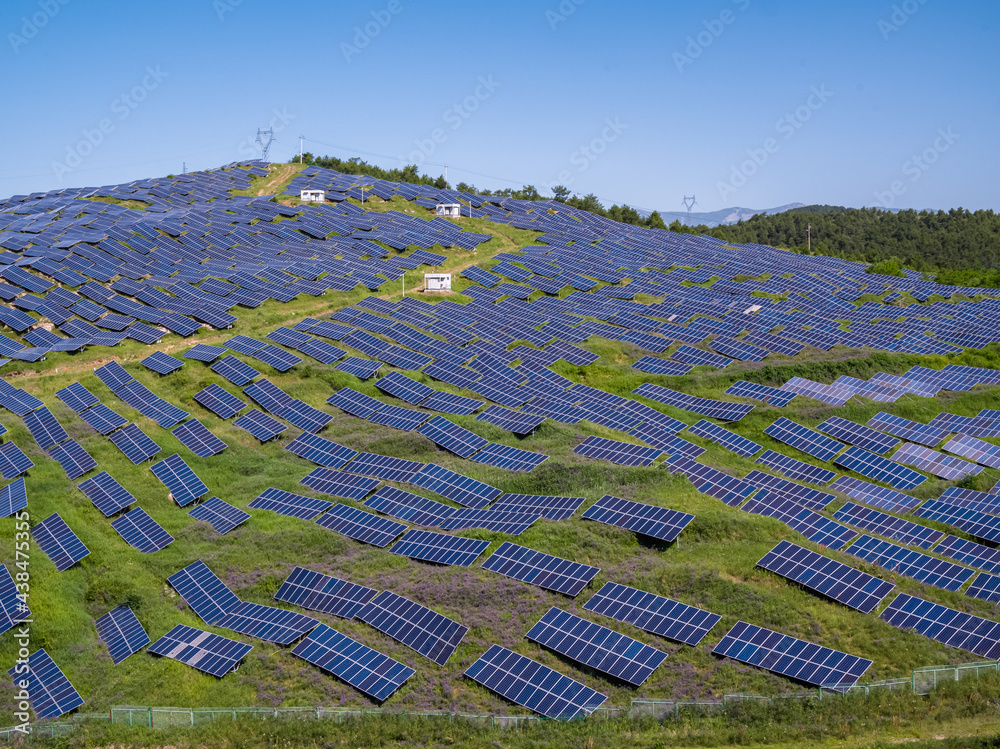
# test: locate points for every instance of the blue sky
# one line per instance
(756, 103)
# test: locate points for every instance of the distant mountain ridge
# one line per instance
(724, 216)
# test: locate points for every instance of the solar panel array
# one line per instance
(897, 529)
(657, 522)
(318, 592)
(732, 442)
(653, 613)
(802, 438)
(434, 636)
(881, 469)
(947, 626)
(51, 692)
(921, 567)
(122, 633)
(208, 652)
(537, 568)
(440, 548)
(613, 451)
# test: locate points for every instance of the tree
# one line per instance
(561, 193)
(655, 221)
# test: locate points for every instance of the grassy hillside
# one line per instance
(712, 567)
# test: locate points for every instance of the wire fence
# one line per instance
(922, 681)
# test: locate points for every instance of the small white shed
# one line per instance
(312, 196)
(437, 282)
(449, 210)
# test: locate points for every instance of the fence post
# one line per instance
(191, 710)
(150, 717)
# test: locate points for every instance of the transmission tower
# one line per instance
(265, 147)
(689, 202)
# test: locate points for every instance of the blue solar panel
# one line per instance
(195, 437)
(876, 496)
(107, 495)
(508, 458)
(222, 516)
(897, 529)
(791, 657)
(405, 388)
(204, 352)
(944, 625)
(985, 587)
(429, 633)
(77, 397)
(815, 527)
(318, 592)
(277, 358)
(763, 393)
(858, 434)
(881, 469)
(45, 429)
(921, 567)
(361, 526)
(794, 468)
(440, 548)
(58, 542)
(531, 685)
(456, 487)
(367, 670)
(113, 375)
(657, 522)
(242, 344)
(300, 414)
(806, 496)
(204, 592)
(550, 508)
(292, 505)
(363, 369)
(355, 403)
(622, 453)
(161, 363)
(830, 578)
(595, 646)
(321, 451)
(537, 568)
(970, 553)
(134, 443)
(652, 365)
(122, 633)
(103, 419)
(237, 372)
(729, 440)
(337, 484)
(141, 531)
(974, 522)
(51, 692)
(260, 425)
(410, 507)
(177, 476)
(731, 490)
(13, 604)
(450, 403)
(13, 498)
(211, 653)
(805, 439)
(219, 401)
(267, 623)
(452, 437)
(653, 613)
(74, 460)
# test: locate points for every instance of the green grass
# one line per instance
(713, 567)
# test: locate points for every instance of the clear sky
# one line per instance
(755, 103)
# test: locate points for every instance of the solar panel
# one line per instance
(897, 529)
(242, 344)
(204, 592)
(429, 546)
(970, 553)
(300, 414)
(363, 369)
(762, 393)
(161, 363)
(513, 421)
(177, 476)
(913, 431)
(621, 453)
(207, 652)
(713, 409)
(876, 496)
(985, 587)
(321, 451)
(292, 505)
(791, 657)
(113, 375)
(13, 498)
(77, 397)
(450, 403)
(690, 355)
(879, 468)
(653, 613)
(142, 532)
(222, 516)
(219, 401)
(537, 568)
(361, 526)
(804, 439)
(731, 490)
(195, 437)
(74, 460)
(794, 468)
(337, 484)
(45, 429)
(947, 626)
(103, 419)
(397, 417)
(531, 685)
(657, 522)
(122, 633)
(456, 487)
(652, 365)
(497, 521)
(550, 508)
(318, 592)
(204, 352)
(938, 464)
(58, 542)
(974, 522)
(134, 443)
(277, 358)
(451, 437)
(826, 576)
(51, 692)
(729, 440)
(355, 403)
(367, 670)
(260, 425)
(508, 458)
(434, 636)
(595, 646)
(106, 494)
(974, 449)
(237, 372)
(815, 527)
(13, 604)
(920, 567)
(267, 623)
(405, 388)
(858, 434)
(806, 496)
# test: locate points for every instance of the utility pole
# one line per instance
(301, 137)
(689, 203)
(265, 148)
(446, 173)
(184, 167)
